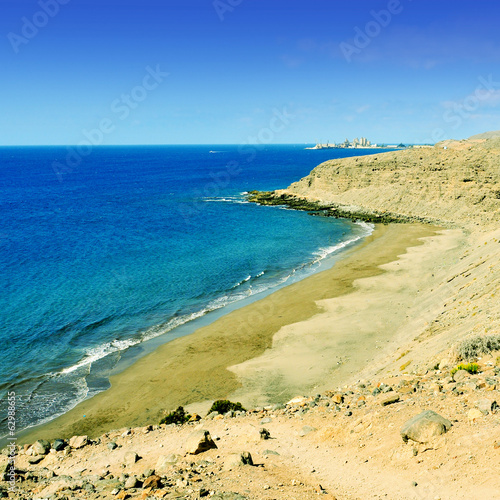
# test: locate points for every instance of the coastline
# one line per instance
(193, 370)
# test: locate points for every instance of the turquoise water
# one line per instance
(130, 244)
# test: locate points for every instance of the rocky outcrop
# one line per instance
(457, 183)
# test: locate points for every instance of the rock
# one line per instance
(122, 495)
(148, 473)
(264, 433)
(112, 446)
(212, 415)
(307, 430)
(59, 445)
(41, 447)
(132, 482)
(338, 399)
(77, 442)
(270, 452)
(153, 482)
(195, 418)
(239, 459)
(425, 426)
(36, 459)
(461, 375)
(130, 458)
(486, 405)
(474, 414)
(199, 442)
(390, 399)
(266, 420)
(164, 462)
(444, 364)
(147, 429)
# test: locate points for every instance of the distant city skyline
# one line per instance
(239, 71)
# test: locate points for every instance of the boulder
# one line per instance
(199, 442)
(425, 426)
(79, 441)
(41, 447)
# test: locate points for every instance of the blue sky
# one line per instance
(239, 71)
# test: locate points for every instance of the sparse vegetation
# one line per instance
(472, 368)
(476, 346)
(223, 406)
(402, 367)
(178, 416)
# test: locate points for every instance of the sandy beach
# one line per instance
(224, 359)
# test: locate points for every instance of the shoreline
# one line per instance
(195, 369)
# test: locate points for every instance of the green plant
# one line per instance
(178, 416)
(472, 368)
(223, 406)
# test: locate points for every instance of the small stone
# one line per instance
(132, 482)
(194, 418)
(130, 458)
(199, 442)
(389, 400)
(486, 405)
(461, 375)
(77, 442)
(264, 433)
(147, 429)
(266, 420)
(36, 459)
(474, 414)
(164, 462)
(307, 430)
(348, 413)
(112, 446)
(414, 484)
(270, 452)
(338, 399)
(239, 459)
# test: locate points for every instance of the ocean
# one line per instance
(104, 258)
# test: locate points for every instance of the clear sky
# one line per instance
(236, 71)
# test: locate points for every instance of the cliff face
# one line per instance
(459, 185)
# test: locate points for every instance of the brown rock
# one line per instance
(389, 399)
(199, 441)
(153, 482)
(79, 441)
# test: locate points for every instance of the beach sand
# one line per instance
(193, 370)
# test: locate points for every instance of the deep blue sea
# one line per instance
(130, 243)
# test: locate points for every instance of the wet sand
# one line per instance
(194, 369)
